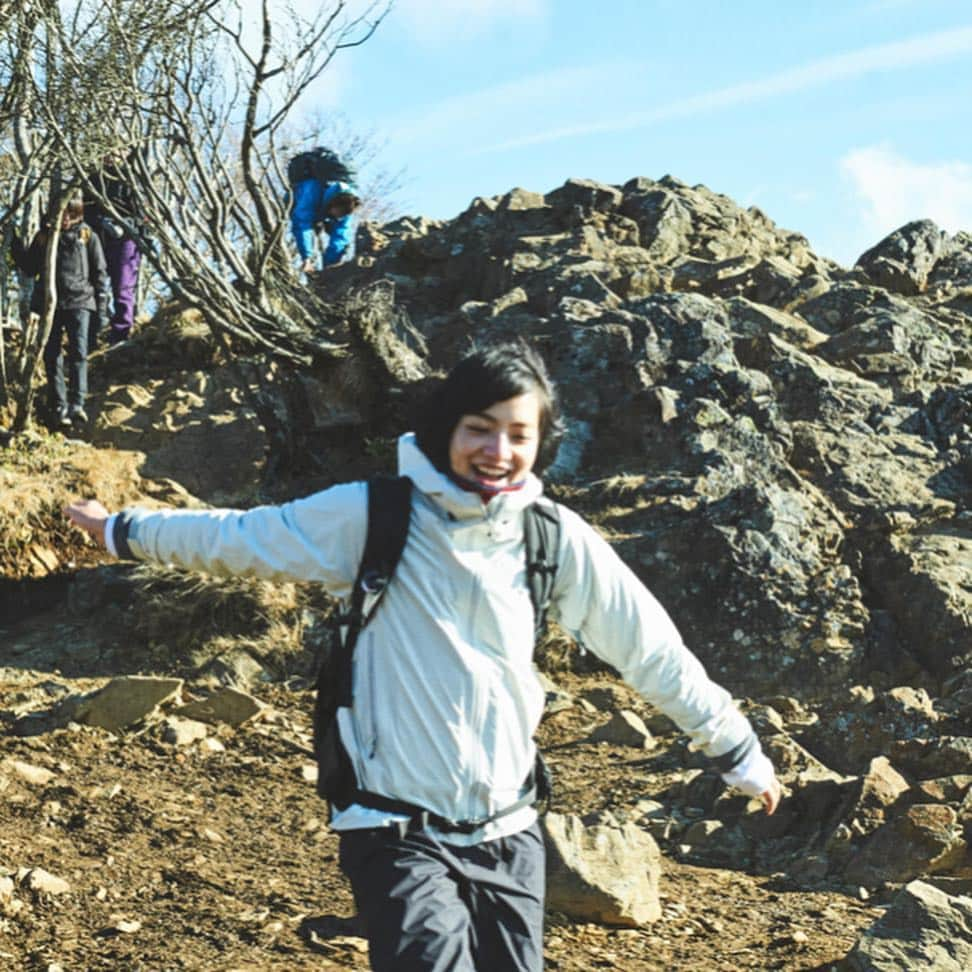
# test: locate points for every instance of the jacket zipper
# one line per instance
(478, 719)
(374, 707)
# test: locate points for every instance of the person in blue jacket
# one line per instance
(329, 207)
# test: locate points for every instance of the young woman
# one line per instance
(445, 697)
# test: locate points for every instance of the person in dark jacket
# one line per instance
(82, 291)
(122, 255)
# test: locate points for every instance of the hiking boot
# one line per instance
(78, 415)
(116, 337)
(63, 419)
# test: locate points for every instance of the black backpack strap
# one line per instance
(541, 532)
(389, 513)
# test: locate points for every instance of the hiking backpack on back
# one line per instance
(389, 512)
(321, 164)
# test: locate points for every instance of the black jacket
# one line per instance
(108, 184)
(81, 277)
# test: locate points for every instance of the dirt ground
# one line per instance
(183, 859)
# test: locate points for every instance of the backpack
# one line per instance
(321, 164)
(389, 512)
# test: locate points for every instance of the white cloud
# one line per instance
(893, 190)
(436, 21)
(896, 56)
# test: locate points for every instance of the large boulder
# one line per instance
(601, 872)
(126, 701)
(924, 928)
(903, 261)
(926, 839)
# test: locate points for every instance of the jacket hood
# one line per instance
(453, 499)
(336, 189)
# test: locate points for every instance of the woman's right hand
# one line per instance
(90, 516)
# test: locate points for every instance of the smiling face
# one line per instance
(497, 447)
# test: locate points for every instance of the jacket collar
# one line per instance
(458, 502)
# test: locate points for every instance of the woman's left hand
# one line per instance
(771, 797)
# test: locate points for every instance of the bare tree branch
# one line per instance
(190, 102)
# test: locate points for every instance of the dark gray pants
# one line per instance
(429, 906)
(73, 323)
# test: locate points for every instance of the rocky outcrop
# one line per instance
(924, 928)
(793, 435)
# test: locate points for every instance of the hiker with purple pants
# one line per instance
(123, 259)
(122, 255)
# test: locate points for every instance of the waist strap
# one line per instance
(420, 818)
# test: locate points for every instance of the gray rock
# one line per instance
(604, 874)
(925, 839)
(127, 700)
(928, 758)
(856, 734)
(753, 322)
(903, 260)
(624, 728)
(35, 775)
(923, 929)
(586, 194)
(39, 881)
(703, 832)
(521, 199)
(6, 890)
(228, 705)
(183, 732)
(237, 668)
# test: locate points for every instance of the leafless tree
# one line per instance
(190, 98)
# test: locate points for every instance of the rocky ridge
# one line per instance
(745, 419)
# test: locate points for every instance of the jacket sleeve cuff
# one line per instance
(109, 535)
(116, 536)
(738, 754)
(753, 775)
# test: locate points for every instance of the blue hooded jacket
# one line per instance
(309, 212)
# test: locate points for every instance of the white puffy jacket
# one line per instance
(446, 699)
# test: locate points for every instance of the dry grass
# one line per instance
(199, 616)
(39, 475)
(180, 337)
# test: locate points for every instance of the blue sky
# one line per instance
(839, 119)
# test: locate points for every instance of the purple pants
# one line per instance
(123, 261)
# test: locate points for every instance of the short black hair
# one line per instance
(346, 202)
(482, 378)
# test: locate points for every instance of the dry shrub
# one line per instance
(180, 337)
(202, 616)
(39, 475)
